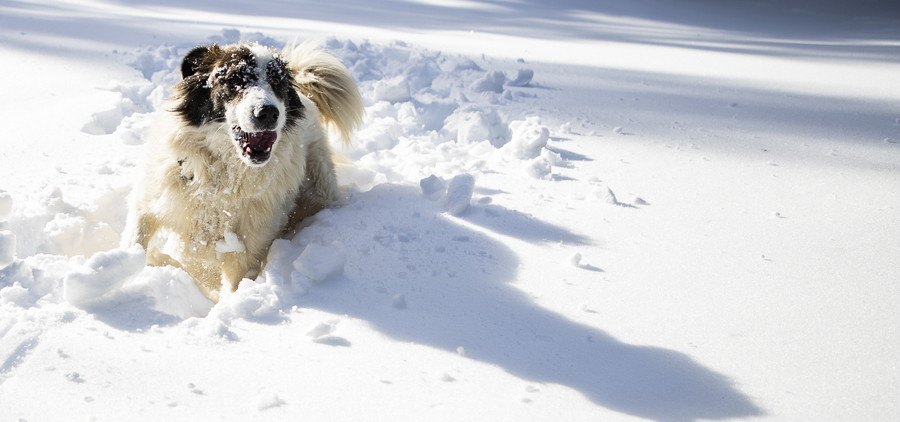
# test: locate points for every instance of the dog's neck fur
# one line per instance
(211, 167)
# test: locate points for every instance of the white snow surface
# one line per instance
(482, 267)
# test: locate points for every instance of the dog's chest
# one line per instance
(235, 199)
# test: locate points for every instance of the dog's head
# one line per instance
(247, 88)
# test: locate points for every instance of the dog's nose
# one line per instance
(266, 116)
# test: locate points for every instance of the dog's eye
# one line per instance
(276, 71)
(239, 76)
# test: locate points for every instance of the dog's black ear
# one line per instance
(194, 60)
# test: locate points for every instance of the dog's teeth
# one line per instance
(268, 149)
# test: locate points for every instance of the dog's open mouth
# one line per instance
(257, 146)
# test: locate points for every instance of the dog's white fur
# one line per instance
(198, 186)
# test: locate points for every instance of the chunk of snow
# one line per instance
(471, 125)
(433, 187)
(523, 78)
(7, 247)
(6, 204)
(459, 194)
(528, 138)
(229, 243)
(322, 329)
(538, 168)
(320, 262)
(553, 158)
(608, 196)
(618, 130)
(267, 400)
(16, 294)
(490, 82)
(18, 279)
(101, 274)
(575, 259)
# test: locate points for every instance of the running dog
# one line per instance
(240, 156)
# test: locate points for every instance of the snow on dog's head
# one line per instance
(247, 88)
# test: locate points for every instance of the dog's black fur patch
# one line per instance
(213, 76)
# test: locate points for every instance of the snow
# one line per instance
(523, 78)
(674, 211)
(491, 82)
(104, 272)
(459, 194)
(229, 243)
(320, 262)
(433, 187)
(7, 247)
(528, 138)
(6, 205)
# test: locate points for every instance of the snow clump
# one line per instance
(490, 82)
(7, 248)
(523, 78)
(101, 274)
(459, 194)
(528, 138)
(6, 204)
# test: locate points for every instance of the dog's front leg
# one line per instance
(235, 266)
(140, 230)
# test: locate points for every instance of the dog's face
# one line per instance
(247, 88)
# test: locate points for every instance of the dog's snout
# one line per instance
(266, 116)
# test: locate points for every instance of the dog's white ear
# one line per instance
(321, 77)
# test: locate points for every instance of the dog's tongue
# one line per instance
(261, 141)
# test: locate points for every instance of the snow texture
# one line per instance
(528, 138)
(6, 205)
(101, 274)
(320, 262)
(523, 78)
(229, 243)
(7, 247)
(459, 194)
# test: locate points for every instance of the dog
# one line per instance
(240, 156)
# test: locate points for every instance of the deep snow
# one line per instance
(640, 209)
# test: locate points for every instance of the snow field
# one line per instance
(738, 214)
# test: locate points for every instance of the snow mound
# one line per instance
(101, 274)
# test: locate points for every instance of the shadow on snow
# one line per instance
(458, 283)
